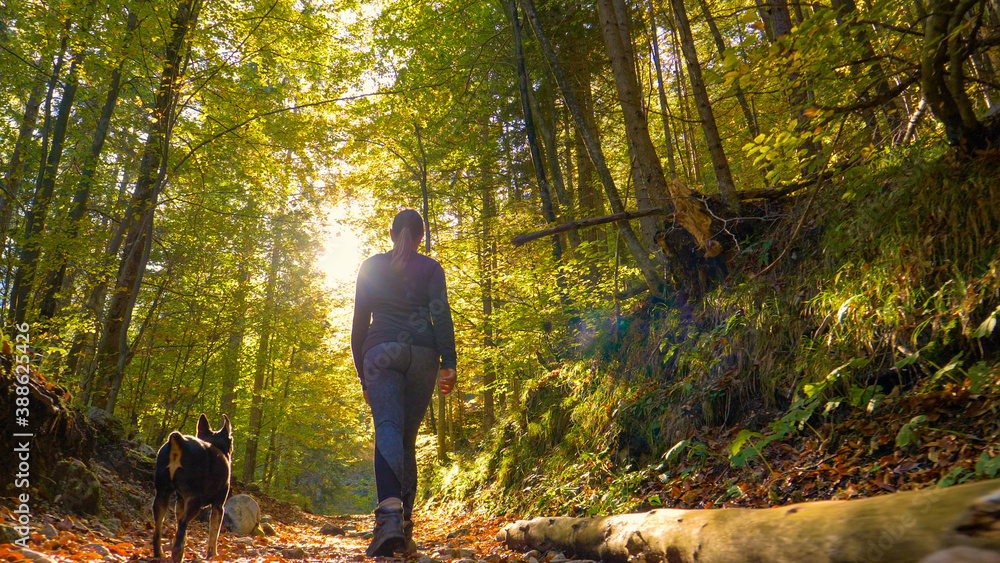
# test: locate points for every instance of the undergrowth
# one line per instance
(889, 294)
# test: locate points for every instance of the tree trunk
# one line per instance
(548, 210)
(945, 90)
(91, 161)
(12, 176)
(423, 191)
(639, 253)
(231, 357)
(900, 527)
(34, 219)
(650, 183)
(661, 91)
(442, 430)
(589, 200)
(720, 44)
(95, 303)
(260, 368)
(144, 198)
(548, 134)
(720, 163)
(487, 258)
(124, 350)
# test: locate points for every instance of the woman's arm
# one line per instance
(362, 320)
(444, 330)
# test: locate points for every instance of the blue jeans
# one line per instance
(400, 382)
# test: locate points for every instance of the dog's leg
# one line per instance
(160, 505)
(213, 530)
(190, 510)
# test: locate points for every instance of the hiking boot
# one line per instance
(411, 546)
(387, 538)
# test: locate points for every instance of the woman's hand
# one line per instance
(446, 380)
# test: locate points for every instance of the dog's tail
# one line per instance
(174, 460)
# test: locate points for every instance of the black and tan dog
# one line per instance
(197, 469)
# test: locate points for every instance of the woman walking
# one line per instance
(402, 341)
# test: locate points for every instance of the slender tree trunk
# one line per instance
(95, 304)
(661, 91)
(684, 134)
(720, 163)
(548, 210)
(44, 187)
(720, 44)
(765, 17)
(234, 345)
(548, 134)
(423, 191)
(144, 197)
(588, 198)
(639, 253)
(487, 255)
(650, 182)
(260, 368)
(54, 280)
(12, 176)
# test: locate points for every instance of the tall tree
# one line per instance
(720, 163)
(632, 242)
(261, 363)
(143, 202)
(54, 280)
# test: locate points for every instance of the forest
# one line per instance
(701, 254)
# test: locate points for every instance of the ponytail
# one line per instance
(407, 230)
(403, 248)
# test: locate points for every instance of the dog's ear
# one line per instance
(204, 430)
(226, 427)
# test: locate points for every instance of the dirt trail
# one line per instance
(62, 538)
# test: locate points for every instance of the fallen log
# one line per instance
(898, 527)
(588, 222)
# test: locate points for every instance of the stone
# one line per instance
(425, 559)
(458, 533)
(76, 487)
(112, 525)
(331, 530)
(8, 534)
(533, 554)
(98, 549)
(34, 556)
(109, 429)
(293, 553)
(531, 560)
(465, 553)
(492, 558)
(268, 529)
(146, 450)
(465, 560)
(366, 535)
(265, 519)
(243, 541)
(48, 530)
(242, 516)
(349, 527)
